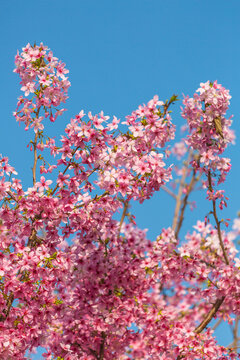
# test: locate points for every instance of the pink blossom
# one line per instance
(77, 275)
(43, 184)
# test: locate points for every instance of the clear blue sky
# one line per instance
(120, 54)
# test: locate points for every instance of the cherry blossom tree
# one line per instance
(84, 285)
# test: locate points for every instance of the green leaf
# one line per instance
(144, 122)
(173, 99)
(149, 271)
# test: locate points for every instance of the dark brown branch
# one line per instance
(209, 315)
(101, 352)
(207, 319)
(99, 356)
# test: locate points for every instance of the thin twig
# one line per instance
(35, 150)
(232, 348)
(35, 158)
(69, 164)
(123, 215)
(12, 196)
(235, 333)
(216, 220)
(217, 324)
(184, 203)
(96, 198)
(170, 192)
(180, 191)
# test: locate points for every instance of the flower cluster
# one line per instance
(129, 164)
(209, 128)
(134, 164)
(79, 282)
(43, 76)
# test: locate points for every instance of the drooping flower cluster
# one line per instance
(43, 77)
(84, 285)
(210, 131)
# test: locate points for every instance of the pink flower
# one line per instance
(37, 125)
(43, 80)
(43, 184)
(28, 88)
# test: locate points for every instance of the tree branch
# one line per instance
(180, 191)
(123, 215)
(184, 203)
(216, 220)
(101, 353)
(209, 315)
(35, 158)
